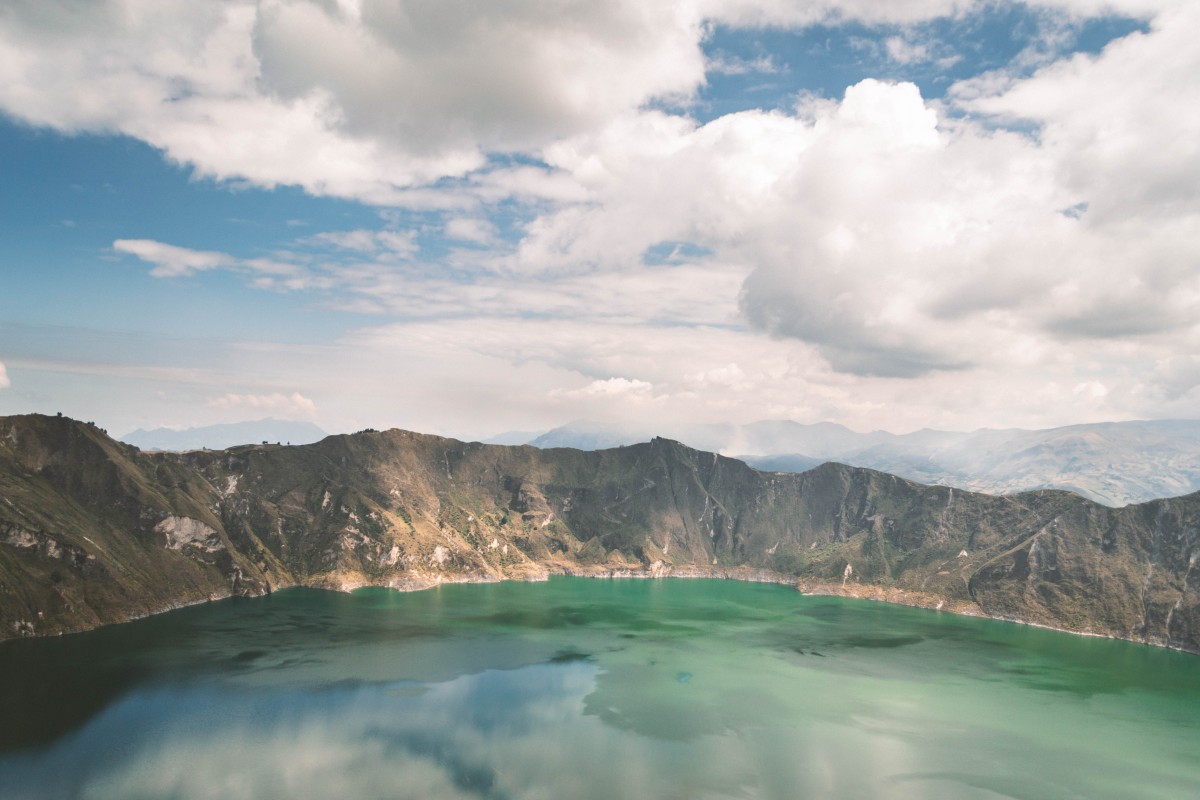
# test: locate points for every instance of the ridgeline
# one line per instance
(94, 531)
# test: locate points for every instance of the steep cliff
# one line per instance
(93, 531)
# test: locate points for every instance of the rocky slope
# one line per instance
(95, 531)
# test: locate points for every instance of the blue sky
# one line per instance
(468, 218)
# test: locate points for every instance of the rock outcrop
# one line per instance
(93, 531)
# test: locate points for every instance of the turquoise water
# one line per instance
(582, 688)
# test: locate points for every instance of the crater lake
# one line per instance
(585, 688)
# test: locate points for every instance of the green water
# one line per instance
(583, 688)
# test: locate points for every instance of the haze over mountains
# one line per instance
(94, 531)
(1114, 463)
(218, 437)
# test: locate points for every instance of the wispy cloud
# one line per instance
(475, 230)
(728, 64)
(170, 261)
(384, 243)
(284, 405)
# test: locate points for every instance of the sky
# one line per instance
(466, 217)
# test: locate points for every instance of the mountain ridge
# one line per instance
(94, 531)
(1114, 463)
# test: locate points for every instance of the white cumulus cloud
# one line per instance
(370, 98)
(4, 381)
(900, 239)
(349, 99)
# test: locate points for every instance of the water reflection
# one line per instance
(581, 689)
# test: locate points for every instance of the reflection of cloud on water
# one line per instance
(313, 760)
(571, 711)
(492, 735)
(539, 731)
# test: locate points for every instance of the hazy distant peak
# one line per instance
(222, 436)
(513, 437)
(591, 435)
(1111, 462)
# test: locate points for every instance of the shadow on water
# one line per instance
(628, 620)
(878, 642)
(49, 688)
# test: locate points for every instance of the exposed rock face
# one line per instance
(184, 532)
(94, 531)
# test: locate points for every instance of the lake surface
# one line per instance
(581, 688)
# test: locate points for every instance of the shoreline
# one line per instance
(973, 610)
(657, 570)
(855, 591)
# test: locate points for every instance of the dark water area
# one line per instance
(581, 688)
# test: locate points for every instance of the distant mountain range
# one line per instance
(1115, 463)
(219, 437)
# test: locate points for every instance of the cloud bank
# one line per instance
(1030, 232)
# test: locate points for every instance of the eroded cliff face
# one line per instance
(93, 531)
